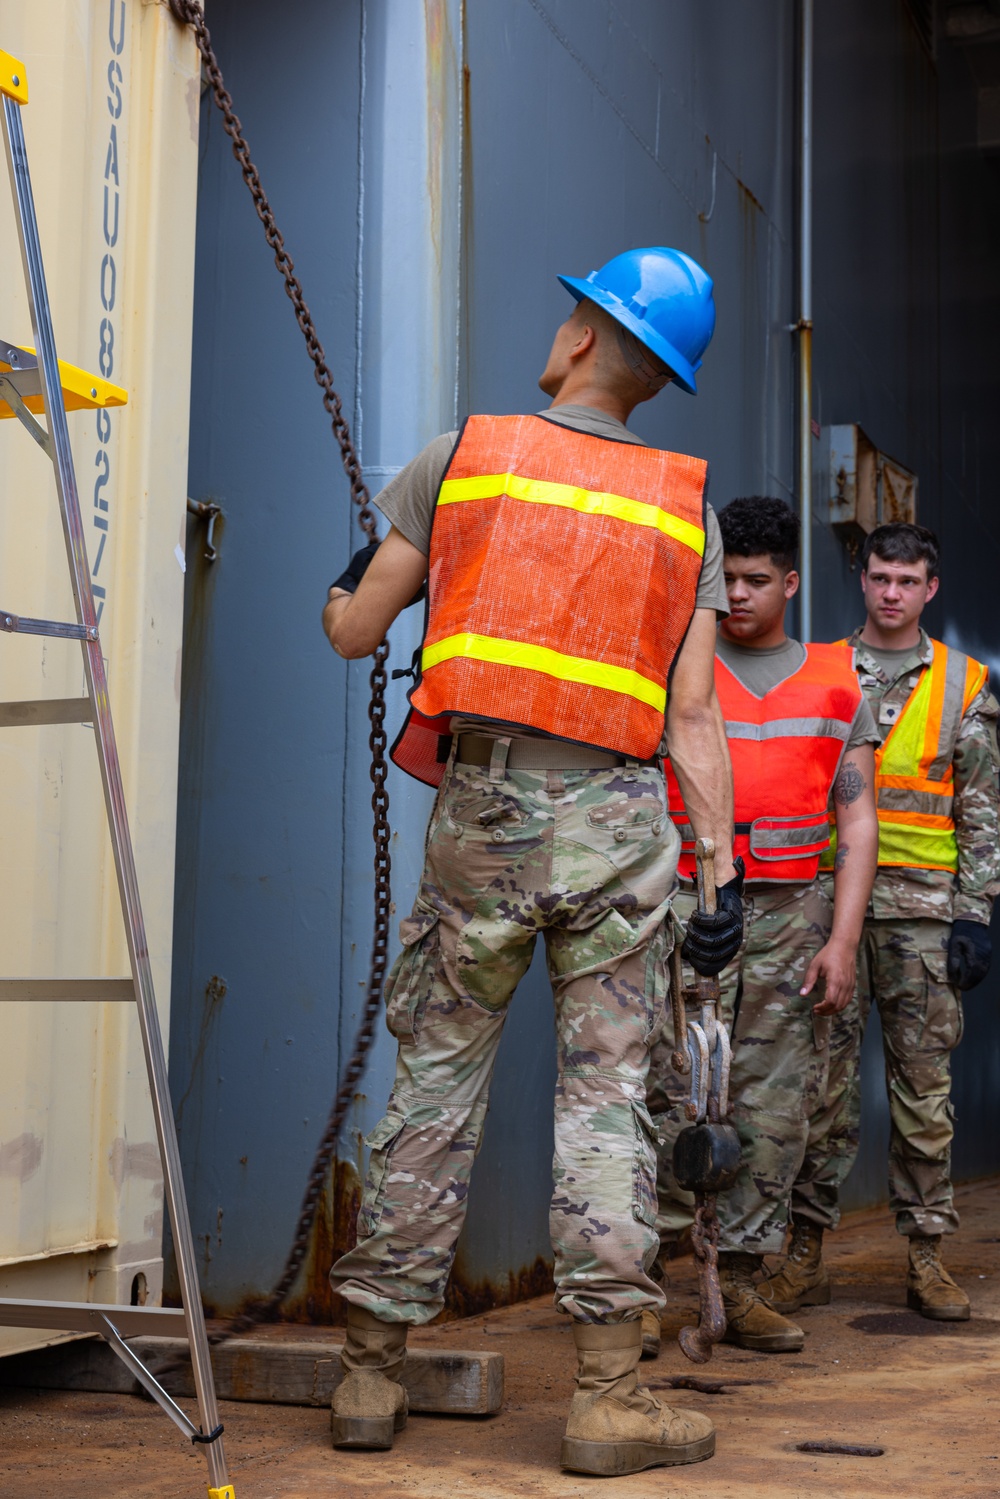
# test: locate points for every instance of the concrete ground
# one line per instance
(871, 1373)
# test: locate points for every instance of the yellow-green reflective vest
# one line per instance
(914, 776)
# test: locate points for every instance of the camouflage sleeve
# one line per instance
(977, 823)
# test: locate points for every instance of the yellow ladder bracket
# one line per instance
(13, 78)
(81, 390)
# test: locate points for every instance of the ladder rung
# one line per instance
(92, 989)
(16, 624)
(82, 1316)
(46, 710)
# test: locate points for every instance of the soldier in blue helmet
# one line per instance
(662, 304)
(570, 571)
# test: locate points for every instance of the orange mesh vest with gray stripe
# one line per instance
(785, 748)
(563, 575)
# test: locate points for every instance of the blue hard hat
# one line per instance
(663, 297)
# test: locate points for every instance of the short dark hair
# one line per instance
(902, 542)
(758, 524)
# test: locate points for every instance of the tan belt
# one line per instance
(537, 754)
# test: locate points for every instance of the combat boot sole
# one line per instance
(616, 1459)
(815, 1296)
(956, 1313)
(374, 1433)
(766, 1342)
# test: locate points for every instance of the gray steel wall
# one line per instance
(432, 178)
(907, 311)
(259, 960)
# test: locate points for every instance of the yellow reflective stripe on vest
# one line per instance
(554, 663)
(572, 497)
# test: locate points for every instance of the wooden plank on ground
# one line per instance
(272, 1371)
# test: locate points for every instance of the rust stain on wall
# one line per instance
(334, 1231)
(747, 197)
(468, 1298)
(439, 103)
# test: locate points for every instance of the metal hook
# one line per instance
(697, 1106)
(206, 510)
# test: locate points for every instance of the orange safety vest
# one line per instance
(914, 776)
(563, 575)
(785, 747)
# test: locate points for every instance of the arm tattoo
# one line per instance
(840, 860)
(849, 784)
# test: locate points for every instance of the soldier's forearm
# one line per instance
(857, 844)
(700, 759)
(355, 623)
(696, 739)
(853, 877)
(337, 601)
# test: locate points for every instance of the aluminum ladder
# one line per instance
(40, 379)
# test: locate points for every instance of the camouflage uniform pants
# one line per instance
(779, 1067)
(587, 859)
(903, 968)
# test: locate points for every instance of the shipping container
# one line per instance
(111, 128)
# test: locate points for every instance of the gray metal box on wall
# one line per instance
(861, 486)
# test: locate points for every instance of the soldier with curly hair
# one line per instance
(799, 733)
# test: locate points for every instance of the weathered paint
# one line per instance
(112, 146)
(434, 170)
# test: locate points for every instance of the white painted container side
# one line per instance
(112, 130)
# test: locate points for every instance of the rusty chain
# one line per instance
(189, 13)
(697, 1342)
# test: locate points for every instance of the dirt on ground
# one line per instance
(871, 1373)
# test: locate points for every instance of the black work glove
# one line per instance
(969, 953)
(358, 566)
(713, 941)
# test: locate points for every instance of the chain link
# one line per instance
(189, 13)
(697, 1342)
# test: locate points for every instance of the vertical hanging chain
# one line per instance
(189, 13)
(697, 1342)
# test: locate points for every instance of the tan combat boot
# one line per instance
(369, 1405)
(930, 1290)
(803, 1279)
(650, 1333)
(752, 1323)
(617, 1427)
